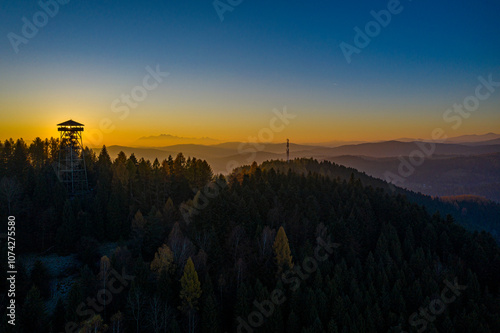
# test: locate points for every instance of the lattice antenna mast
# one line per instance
(287, 150)
(72, 171)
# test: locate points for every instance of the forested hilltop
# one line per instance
(473, 213)
(304, 246)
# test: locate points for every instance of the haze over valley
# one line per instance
(463, 165)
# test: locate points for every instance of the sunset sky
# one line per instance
(227, 77)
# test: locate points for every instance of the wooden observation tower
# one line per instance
(72, 171)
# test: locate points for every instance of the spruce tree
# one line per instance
(190, 292)
(282, 251)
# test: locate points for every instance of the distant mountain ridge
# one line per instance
(463, 139)
(483, 143)
(219, 155)
(474, 138)
(453, 169)
(439, 176)
(398, 148)
(168, 139)
(164, 140)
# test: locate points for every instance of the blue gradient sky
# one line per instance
(226, 77)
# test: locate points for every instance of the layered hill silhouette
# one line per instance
(466, 165)
(438, 176)
(168, 139)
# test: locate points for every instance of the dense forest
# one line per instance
(304, 246)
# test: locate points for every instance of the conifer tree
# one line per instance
(282, 251)
(190, 292)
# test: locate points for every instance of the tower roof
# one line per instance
(70, 123)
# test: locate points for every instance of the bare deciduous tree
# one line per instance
(266, 241)
(135, 301)
(105, 267)
(10, 190)
(158, 315)
(117, 322)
